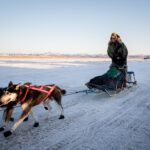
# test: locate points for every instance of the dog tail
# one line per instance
(63, 92)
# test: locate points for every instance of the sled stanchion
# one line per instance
(131, 78)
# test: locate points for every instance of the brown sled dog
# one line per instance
(16, 93)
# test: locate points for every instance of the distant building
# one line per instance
(147, 57)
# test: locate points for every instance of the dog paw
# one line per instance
(2, 129)
(26, 119)
(12, 119)
(61, 117)
(46, 108)
(36, 124)
(7, 133)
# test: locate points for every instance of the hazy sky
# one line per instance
(73, 26)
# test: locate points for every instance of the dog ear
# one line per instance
(18, 86)
(28, 83)
(10, 84)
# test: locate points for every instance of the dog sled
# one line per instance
(115, 86)
(110, 86)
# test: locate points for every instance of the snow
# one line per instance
(92, 121)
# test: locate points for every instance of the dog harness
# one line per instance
(41, 89)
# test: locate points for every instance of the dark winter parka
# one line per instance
(118, 52)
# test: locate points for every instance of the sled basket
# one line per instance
(130, 81)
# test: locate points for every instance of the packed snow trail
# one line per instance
(92, 121)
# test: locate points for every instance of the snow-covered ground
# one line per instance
(92, 121)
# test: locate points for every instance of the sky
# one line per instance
(73, 26)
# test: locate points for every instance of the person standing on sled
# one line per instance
(118, 52)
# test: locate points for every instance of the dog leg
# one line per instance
(4, 122)
(26, 112)
(23, 116)
(6, 117)
(57, 99)
(62, 112)
(36, 123)
(47, 107)
(45, 103)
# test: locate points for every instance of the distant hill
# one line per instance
(56, 55)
